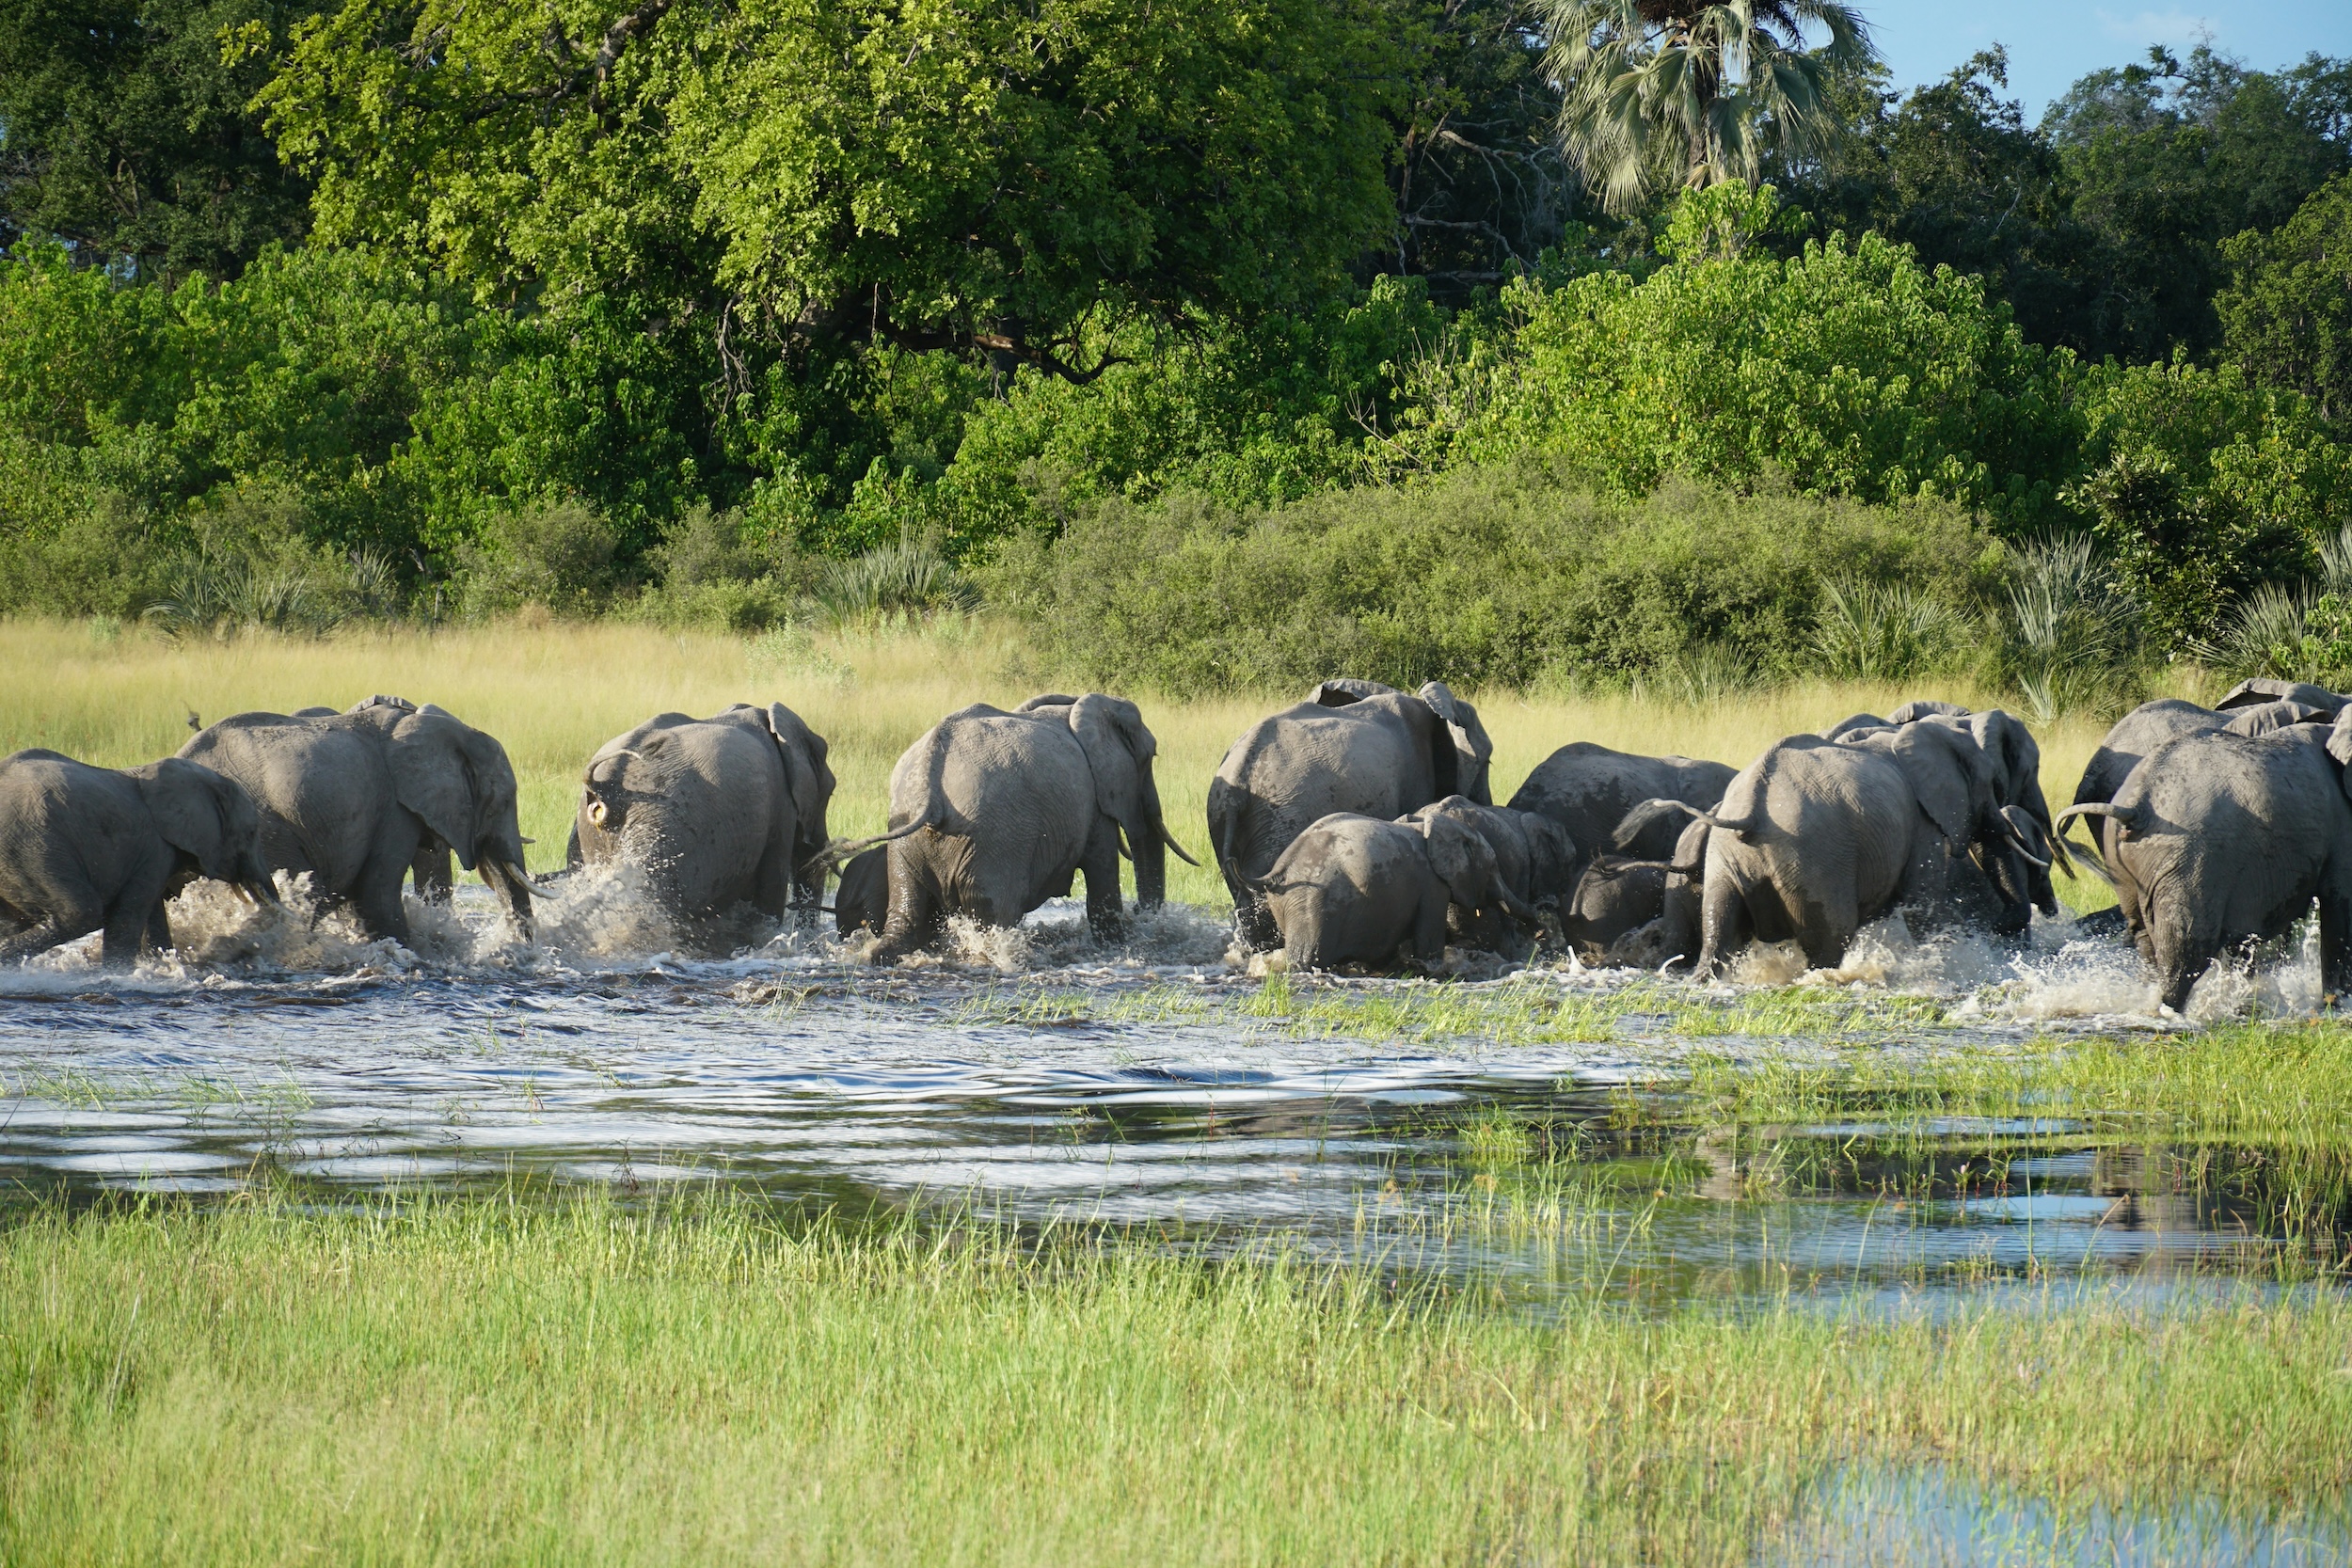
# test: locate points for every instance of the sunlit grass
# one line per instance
(505, 1381)
(554, 692)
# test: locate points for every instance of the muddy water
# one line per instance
(1035, 1075)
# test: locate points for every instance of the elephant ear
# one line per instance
(1471, 747)
(435, 779)
(191, 806)
(806, 778)
(1462, 859)
(1926, 707)
(1950, 776)
(1118, 752)
(2340, 744)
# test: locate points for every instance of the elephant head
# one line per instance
(1118, 752)
(1465, 863)
(210, 819)
(808, 783)
(1962, 786)
(456, 781)
(1473, 749)
(2263, 688)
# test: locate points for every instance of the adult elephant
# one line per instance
(1590, 790)
(719, 812)
(355, 799)
(1818, 837)
(87, 850)
(1355, 747)
(1353, 889)
(993, 813)
(2217, 841)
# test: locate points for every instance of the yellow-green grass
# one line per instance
(524, 1382)
(552, 693)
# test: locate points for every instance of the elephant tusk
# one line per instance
(1170, 839)
(525, 880)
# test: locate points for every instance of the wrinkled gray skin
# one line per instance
(1816, 838)
(862, 902)
(992, 812)
(2217, 841)
(87, 850)
(1590, 789)
(2133, 736)
(356, 799)
(1532, 858)
(1353, 889)
(1354, 746)
(720, 812)
(1616, 897)
(1644, 912)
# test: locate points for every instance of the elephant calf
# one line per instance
(993, 813)
(87, 850)
(1355, 889)
(1535, 857)
(720, 812)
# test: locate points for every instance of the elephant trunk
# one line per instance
(1150, 851)
(513, 886)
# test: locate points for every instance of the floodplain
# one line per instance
(586, 1248)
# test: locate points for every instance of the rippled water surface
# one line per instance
(1038, 1076)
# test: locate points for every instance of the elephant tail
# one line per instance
(1738, 827)
(1637, 821)
(2126, 817)
(832, 856)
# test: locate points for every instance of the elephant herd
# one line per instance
(1354, 828)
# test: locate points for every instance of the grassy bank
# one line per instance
(495, 1382)
(553, 694)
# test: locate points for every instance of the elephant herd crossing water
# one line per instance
(1356, 828)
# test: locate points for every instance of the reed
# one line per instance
(518, 1380)
(554, 691)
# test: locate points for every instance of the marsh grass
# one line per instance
(554, 691)
(516, 1379)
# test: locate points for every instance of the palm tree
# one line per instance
(1656, 93)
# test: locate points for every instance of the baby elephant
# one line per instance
(87, 850)
(1356, 889)
(1534, 857)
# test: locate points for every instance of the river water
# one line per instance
(1162, 1083)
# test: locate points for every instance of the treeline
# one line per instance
(1207, 340)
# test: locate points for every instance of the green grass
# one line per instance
(569, 1382)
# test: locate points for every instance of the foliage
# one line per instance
(1851, 367)
(2287, 314)
(1866, 630)
(2070, 640)
(1495, 575)
(1661, 93)
(558, 554)
(125, 132)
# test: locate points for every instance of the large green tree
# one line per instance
(930, 174)
(124, 132)
(2287, 314)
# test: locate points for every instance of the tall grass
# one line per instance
(554, 691)
(495, 1380)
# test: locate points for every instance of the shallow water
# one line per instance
(1038, 1076)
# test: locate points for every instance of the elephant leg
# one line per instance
(771, 881)
(1429, 926)
(2335, 939)
(127, 922)
(436, 879)
(916, 918)
(82, 912)
(1105, 919)
(157, 937)
(1254, 923)
(1725, 926)
(376, 899)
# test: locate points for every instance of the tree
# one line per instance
(922, 173)
(2286, 317)
(124, 134)
(1659, 93)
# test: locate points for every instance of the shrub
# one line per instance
(1502, 575)
(713, 572)
(557, 553)
(2069, 635)
(900, 581)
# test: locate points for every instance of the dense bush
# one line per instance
(1506, 574)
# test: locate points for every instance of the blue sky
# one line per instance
(2053, 41)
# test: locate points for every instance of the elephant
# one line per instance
(1642, 911)
(1355, 889)
(2270, 718)
(1590, 790)
(1818, 837)
(86, 848)
(721, 810)
(2139, 731)
(2217, 841)
(2262, 689)
(1616, 896)
(1533, 856)
(992, 812)
(862, 902)
(2019, 879)
(356, 799)
(1352, 746)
